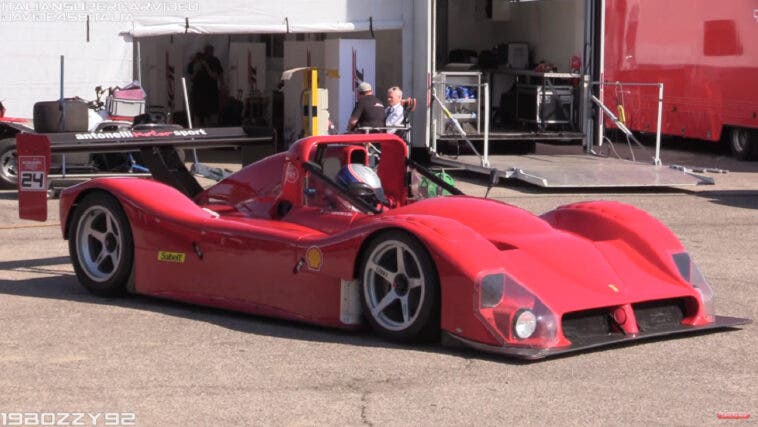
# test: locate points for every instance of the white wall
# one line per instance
(389, 62)
(389, 58)
(339, 56)
(30, 66)
(244, 59)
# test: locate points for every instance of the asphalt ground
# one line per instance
(65, 351)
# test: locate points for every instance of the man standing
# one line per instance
(206, 72)
(395, 109)
(368, 111)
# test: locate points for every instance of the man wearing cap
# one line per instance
(368, 111)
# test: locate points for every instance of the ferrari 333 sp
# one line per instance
(311, 235)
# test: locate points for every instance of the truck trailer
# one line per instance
(704, 54)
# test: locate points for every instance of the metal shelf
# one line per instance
(465, 107)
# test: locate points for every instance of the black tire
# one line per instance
(101, 246)
(401, 302)
(742, 143)
(8, 163)
(47, 116)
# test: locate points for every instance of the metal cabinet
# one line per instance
(460, 92)
(545, 105)
(545, 99)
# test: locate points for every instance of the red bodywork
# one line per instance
(704, 53)
(242, 251)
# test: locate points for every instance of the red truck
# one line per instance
(706, 55)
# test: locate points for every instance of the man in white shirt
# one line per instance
(395, 108)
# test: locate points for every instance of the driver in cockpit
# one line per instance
(361, 181)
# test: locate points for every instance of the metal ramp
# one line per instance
(576, 171)
(519, 135)
(567, 170)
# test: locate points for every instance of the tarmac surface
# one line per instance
(65, 351)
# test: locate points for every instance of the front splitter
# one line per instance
(534, 353)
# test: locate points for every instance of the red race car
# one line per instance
(339, 230)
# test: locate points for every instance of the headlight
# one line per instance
(692, 274)
(492, 290)
(513, 313)
(524, 324)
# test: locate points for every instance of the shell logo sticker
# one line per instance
(314, 258)
(613, 288)
(177, 257)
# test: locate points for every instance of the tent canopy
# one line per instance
(273, 16)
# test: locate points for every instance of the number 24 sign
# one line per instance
(32, 173)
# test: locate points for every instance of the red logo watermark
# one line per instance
(733, 415)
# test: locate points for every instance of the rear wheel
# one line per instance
(742, 143)
(101, 245)
(8, 163)
(400, 288)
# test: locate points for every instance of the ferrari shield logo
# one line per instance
(291, 174)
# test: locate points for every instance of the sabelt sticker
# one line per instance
(32, 173)
(177, 257)
(314, 258)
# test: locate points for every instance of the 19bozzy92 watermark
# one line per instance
(68, 419)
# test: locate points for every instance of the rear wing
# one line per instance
(157, 146)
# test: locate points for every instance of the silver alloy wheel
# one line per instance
(394, 285)
(8, 166)
(99, 243)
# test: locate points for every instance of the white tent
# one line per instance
(101, 40)
(96, 38)
(283, 16)
(31, 44)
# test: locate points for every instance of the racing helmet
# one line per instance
(361, 181)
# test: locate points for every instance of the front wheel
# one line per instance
(400, 288)
(8, 163)
(101, 245)
(742, 143)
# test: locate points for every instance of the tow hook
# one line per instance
(197, 250)
(298, 266)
